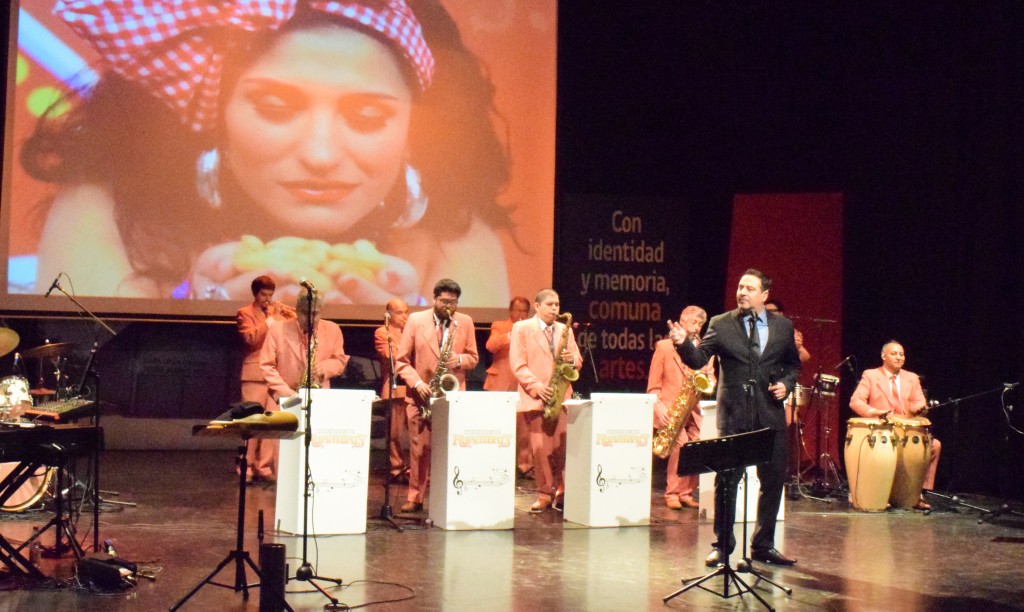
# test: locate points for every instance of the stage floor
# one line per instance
(184, 525)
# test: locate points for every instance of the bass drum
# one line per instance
(30, 492)
(14, 397)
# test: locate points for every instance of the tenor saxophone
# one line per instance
(563, 373)
(443, 381)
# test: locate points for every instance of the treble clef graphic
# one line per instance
(600, 480)
(457, 482)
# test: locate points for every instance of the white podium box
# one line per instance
(608, 460)
(709, 429)
(339, 460)
(473, 458)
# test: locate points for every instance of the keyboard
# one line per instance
(62, 410)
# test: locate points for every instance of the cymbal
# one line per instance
(8, 340)
(48, 350)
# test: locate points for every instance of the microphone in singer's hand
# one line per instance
(54, 285)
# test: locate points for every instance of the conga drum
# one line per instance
(870, 457)
(913, 453)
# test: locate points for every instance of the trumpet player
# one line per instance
(535, 345)
(427, 336)
(666, 379)
(252, 323)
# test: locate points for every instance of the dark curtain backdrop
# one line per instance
(913, 111)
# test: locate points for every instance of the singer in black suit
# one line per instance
(757, 372)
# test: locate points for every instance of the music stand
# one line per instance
(239, 555)
(724, 456)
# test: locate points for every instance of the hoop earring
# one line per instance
(207, 177)
(415, 199)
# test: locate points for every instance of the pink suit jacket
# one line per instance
(418, 350)
(532, 362)
(665, 378)
(252, 327)
(873, 393)
(380, 345)
(499, 375)
(283, 358)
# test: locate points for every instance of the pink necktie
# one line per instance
(894, 390)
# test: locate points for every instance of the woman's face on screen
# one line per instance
(316, 129)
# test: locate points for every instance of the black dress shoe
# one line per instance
(772, 557)
(715, 559)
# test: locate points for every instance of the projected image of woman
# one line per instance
(349, 143)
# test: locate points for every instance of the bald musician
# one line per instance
(385, 342)
(890, 389)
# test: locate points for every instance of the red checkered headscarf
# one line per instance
(166, 45)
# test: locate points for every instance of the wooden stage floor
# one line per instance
(184, 525)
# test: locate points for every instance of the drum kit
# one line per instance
(801, 401)
(15, 398)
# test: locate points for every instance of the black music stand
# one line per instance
(239, 555)
(724, 456)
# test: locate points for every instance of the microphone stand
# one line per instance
(97, 439)
(954, 501)
(305, 571)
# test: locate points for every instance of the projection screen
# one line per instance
(160, 154)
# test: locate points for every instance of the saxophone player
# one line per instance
(283, 357)
(667, 378)
(418, 360)
(532, 354)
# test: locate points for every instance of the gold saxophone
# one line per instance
(693, 387)
(564, 372)
(443, 381)
(305, 374)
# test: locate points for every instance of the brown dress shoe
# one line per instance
(411, 506)
(689, 502)
(540, 505)
(673, 503)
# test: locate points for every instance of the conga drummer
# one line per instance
(892, 391)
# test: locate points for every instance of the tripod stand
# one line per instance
(725, 456)
(239, 555)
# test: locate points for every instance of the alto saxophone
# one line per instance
(443, 381)
(564, 372)
(310, 365)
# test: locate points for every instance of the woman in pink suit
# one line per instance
(532, 357)
(419, 353)
(891, 389)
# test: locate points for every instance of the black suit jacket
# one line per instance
(780, 362)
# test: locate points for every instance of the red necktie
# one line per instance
(549, 331)
(894, 390)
